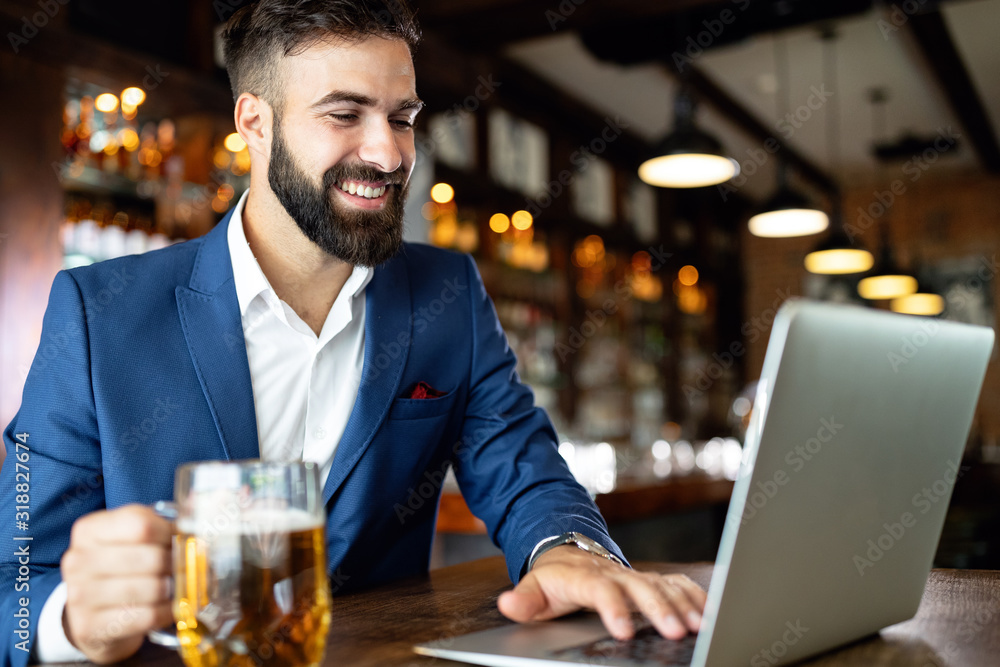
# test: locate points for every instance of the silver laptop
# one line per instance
(854, 444)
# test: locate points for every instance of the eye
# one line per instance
(344, 117)
(403, 124)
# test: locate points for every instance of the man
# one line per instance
(299, 327)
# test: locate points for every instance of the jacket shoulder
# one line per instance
(152, 271)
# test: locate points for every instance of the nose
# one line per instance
(379, 146)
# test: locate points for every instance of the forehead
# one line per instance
(376, 67)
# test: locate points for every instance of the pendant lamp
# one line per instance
(924, 301)
(838, 254)
(787, 213)
(687, 157)
(887, 280)
(921, 302)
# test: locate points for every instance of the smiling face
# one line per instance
(343, 149)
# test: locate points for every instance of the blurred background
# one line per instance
(638, 291)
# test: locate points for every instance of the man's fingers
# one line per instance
(686, 596)
(526, 602)
(114, 623)
(688, 614)
(131, 524)
(608, 599)
(120, 561)
(657, 603)
(695, 593)
(100, 633)
(569, 579)
(118, 593)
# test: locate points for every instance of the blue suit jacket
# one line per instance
(142, 367)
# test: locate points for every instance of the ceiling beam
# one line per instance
(488, 25)
(456, 75)
(441, 9)
(651, 26)
(536, 99)
(940, 54)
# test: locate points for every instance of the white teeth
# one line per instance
(363, 190)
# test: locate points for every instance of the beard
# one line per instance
(355, 236)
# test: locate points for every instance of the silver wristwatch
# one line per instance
(576, 539)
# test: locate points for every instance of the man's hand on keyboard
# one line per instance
(566, 579)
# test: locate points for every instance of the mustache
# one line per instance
(362, 172)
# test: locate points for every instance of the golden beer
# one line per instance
(252, 592)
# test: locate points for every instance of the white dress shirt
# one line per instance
(304, 387)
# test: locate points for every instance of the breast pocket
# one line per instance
(422, 408)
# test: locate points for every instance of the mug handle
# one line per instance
(165, 636)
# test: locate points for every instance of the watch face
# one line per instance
(593, 547)
(588, 544)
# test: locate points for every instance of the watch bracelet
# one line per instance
(570, 538)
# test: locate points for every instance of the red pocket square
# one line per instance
(424, 390)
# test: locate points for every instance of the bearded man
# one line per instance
(301, 327)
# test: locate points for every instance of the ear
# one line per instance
(254, 122)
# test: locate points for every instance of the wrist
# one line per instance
(579, 543)
(564, 553)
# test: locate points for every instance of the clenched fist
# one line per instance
(117, 581)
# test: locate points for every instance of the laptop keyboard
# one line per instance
(647, 647)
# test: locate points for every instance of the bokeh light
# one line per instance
(133, 96)
(234, 143)
(688, 275)
(442, 193)
(106, 103)
(521, 220)
(499, 223)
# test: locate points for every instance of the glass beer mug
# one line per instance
(250, 582)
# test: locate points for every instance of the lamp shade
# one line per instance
(920, 303)
(887, 286)
(788, 214)
(687, 157)
(838, 254)
(923, 301)
(887, 280)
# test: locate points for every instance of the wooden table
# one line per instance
(958, 624)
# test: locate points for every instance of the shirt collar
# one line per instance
(250, 280)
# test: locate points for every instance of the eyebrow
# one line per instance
(363, 100)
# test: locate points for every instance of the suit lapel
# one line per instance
(387, 337)
(210, 317)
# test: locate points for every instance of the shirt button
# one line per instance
(319, 433)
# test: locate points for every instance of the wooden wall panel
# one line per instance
(31, 211)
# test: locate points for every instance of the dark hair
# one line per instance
(259, 34)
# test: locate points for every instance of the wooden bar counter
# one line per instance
(631, 500)
(957, 625)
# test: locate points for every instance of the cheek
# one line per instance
(407, 149)
(321, 147)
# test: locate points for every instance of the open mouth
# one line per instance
(365, 190)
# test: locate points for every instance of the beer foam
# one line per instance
(249, 522)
